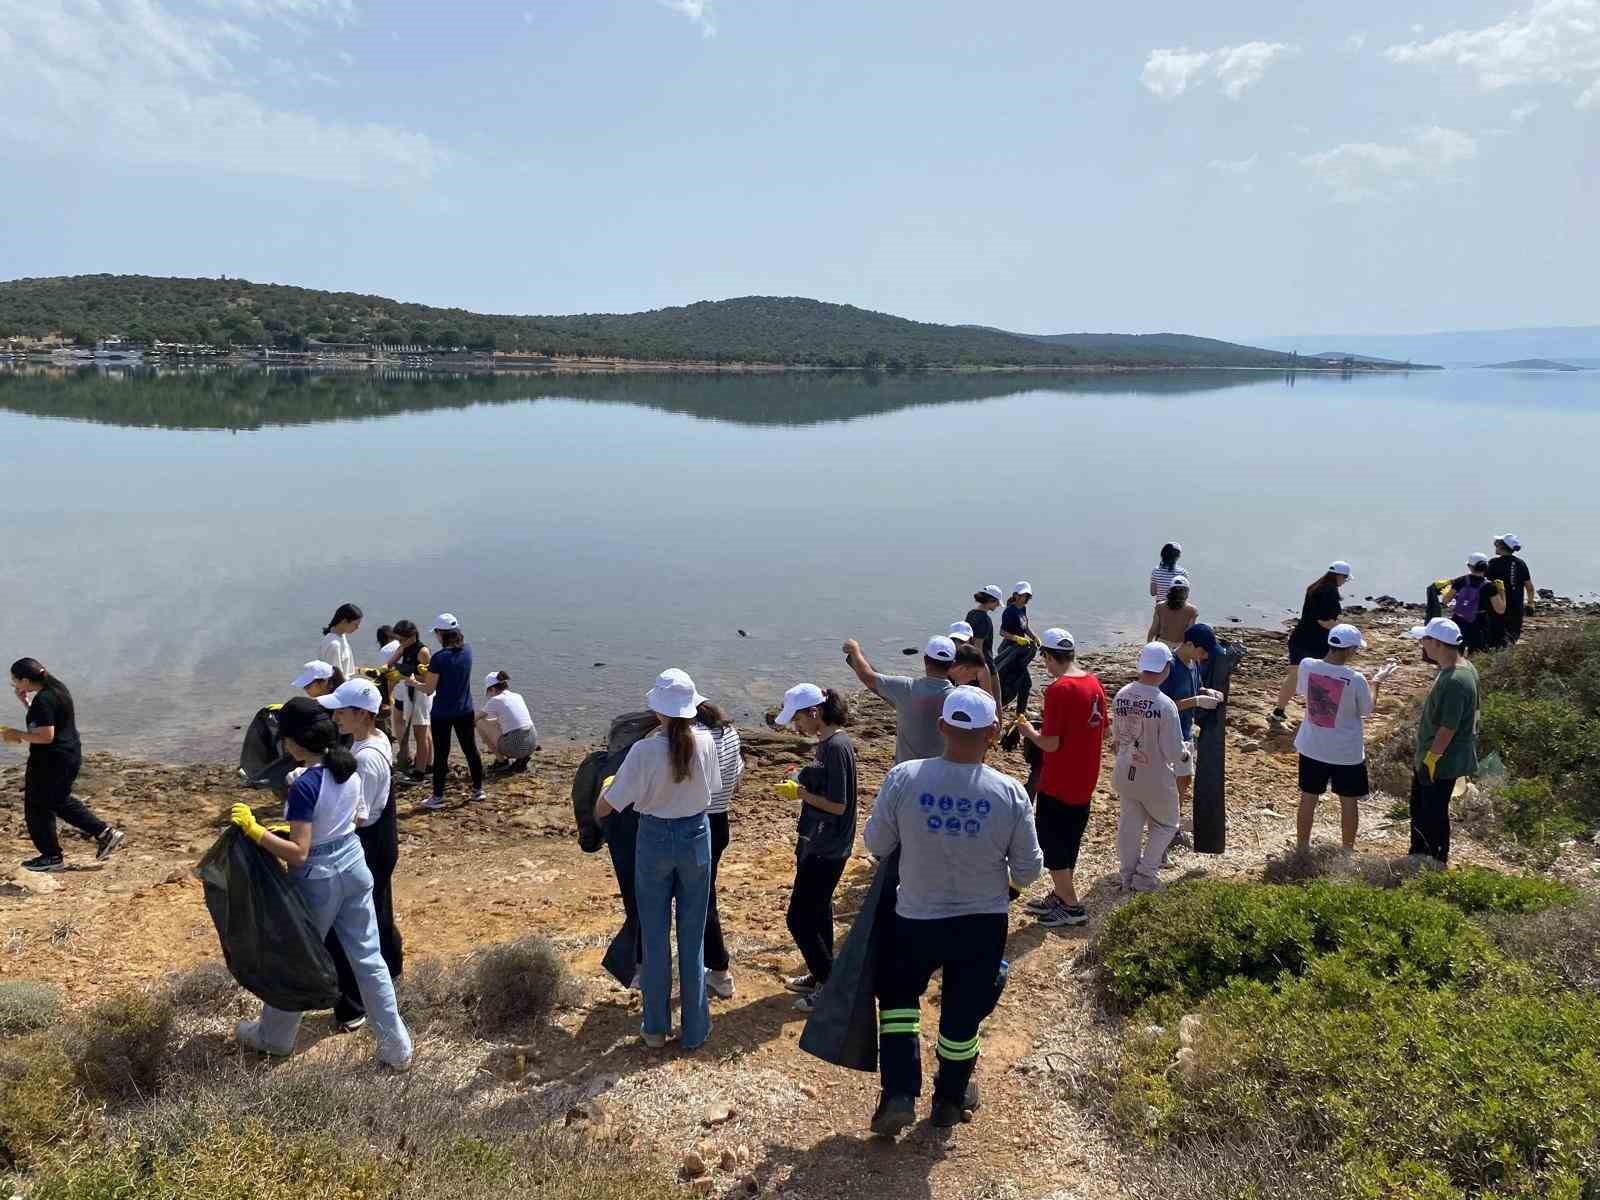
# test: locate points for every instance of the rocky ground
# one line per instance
(752, 1112)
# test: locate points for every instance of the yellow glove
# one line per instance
(605, 784)
(246, 821)
(1430, 760)
(281, 828)
(789, 789)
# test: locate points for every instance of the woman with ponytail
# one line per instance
(54, 758)
(669, 778)
(827, 794)
(335, 649)
(327, 864)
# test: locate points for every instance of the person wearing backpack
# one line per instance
(1473, 597)
(1513, 573)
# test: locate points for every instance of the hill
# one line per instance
(772, 329)
(1365, 360)
(1531, 364)
(1563, 343)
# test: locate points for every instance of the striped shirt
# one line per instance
(726, 740)
(1161, 581)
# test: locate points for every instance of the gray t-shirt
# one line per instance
(962, 829)
(918, 704)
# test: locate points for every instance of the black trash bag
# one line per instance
(586, 783)
(843, 1028)
(626, 951)
(262, 762)
(269, 941)
(1011, 668)
(619, 832)
(1435, 602)
(1211, 755)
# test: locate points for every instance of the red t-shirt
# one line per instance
(1075, 711)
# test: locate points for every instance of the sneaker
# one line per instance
(803, 984)
(806, 1004)
(520, 766)
(479, 795)
(947, 1114)
(1142, 884)
(720, 984)
(417, 776)
(433, 803)
(353, 1024)
(399, 1068)
(500, 766)
(248, 1035)
(894, 1116)
(108, 841)
(45, 862)
(1182, 840)
(1040, 905)
(1061, 913)
(654, 1041)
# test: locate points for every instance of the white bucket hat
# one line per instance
(674, 694)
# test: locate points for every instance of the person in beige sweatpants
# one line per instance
(1150, 752)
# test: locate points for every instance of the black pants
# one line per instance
(380, 843)
(466, 731)
(716, 947)
(969, 950)
(47, 797)
(811, 911)
(1430, 815)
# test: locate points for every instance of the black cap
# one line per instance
(299, 716)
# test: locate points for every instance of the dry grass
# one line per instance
(26, 1006)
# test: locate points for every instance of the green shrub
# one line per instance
(26, 1006)
(1193, 939)
(120, 1045)
(1559, 664)
(517, 985)
(38, 1104)
(1537, 736)
(1531, 812)
(1481, 890)
(1492, 1090)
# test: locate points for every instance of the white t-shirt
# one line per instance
(1150, 745)
(510, 710)
(1336, 700)
(328, 806)
(645, 778)
(374, 767)
(335, 651)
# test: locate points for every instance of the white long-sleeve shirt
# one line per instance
(1149, 740)
(645, 780)
(335, 651)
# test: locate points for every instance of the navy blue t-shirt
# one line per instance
(453, 669)
(1182, 682)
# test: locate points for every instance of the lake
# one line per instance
(178, 540)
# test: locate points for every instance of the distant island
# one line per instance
(1530, 364)
(131, 315)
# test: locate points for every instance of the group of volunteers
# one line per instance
(963, 836)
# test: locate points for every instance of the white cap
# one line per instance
(1510, 540)
(993, 590)
(354, 693)
(960, 631)
(389, 649)
(491, 680)
(312, 671)
(1178, 546)
(1339, 567)
(1023, 588)
(1157, 656)
(801, 695)
(446, 621)
(1178, 581)
(674, 694)
(1440, 629)
(940, 648)
(1057, 639)
(1477, 560)
(968, 708)
(1346, 637)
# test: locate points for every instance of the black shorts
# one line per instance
(1348, 781)
(1060, 827)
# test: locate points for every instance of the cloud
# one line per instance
(1554, 41)
(702, 13)
(1168, 72)
(297, 13)
(1358, 171)
(1522, 112)
(346, 58)
(1355, 42)
(1234, 166)
(129, 80)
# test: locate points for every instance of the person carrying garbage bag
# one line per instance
(326, 863)
(965, 832)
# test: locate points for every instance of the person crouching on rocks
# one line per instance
(827, 833)
(328, 867)
(505, 726)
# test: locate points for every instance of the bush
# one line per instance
(1480, 890)
(1195, 938)
(1563, 942)
(206, 989)
(1562, 664)
(1332, 862)
(26, 1006)
(517, 985)
(38, 1104)
(1448, 1092)
(1537, 736)
(119, 1046)
(1531, 812)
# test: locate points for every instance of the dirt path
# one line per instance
(493, 871)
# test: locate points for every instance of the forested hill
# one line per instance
(751, 329)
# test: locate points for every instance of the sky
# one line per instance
(1231, 170)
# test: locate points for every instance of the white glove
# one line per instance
(1206, 700)
(1383, 672)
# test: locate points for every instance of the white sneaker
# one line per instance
(720, 984)
(479, 795)
(433, 803)
(248, 1035)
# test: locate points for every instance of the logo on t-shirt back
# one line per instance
(1323, 693)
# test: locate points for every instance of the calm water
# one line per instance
(177, 543)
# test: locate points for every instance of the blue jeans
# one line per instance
(337, 888)
(673, 863)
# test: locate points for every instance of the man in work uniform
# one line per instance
(964, 831)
